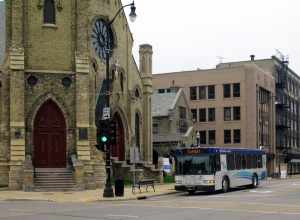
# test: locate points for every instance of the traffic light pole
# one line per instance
(108, 190)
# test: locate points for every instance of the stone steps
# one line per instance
(56, 179)
(140, 168)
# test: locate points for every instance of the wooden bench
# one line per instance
(144, 182)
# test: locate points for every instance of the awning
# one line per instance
(295, 161)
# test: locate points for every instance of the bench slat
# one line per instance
(144, 182)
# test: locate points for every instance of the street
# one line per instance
(277, 199)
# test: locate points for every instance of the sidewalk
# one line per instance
(85, 196)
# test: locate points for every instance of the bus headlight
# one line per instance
(210, 182)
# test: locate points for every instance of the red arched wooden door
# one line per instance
(118, 150)
(49, 137)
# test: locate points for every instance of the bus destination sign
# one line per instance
(193, 151)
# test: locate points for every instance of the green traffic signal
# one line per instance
(104, 139)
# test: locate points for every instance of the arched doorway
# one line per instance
(118, 149)
(49, 137)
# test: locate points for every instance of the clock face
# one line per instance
(102, 38)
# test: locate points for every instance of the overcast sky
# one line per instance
(192, 34)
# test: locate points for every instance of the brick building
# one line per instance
(287, 103)
(232, 106)
(50, 79)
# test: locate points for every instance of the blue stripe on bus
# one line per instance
(248, 175)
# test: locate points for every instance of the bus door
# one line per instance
(219, 175)
(264, 161)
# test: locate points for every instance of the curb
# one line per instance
(158, 195)
(168, 191)
(114, 199)
(27, 200)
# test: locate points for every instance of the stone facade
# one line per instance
(2, 31)
(57, 62)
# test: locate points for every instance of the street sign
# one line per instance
(106, 113)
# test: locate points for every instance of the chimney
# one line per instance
(252, 57)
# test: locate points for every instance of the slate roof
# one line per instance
(2, 31)
(162, 103)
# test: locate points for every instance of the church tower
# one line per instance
(48, 78)
(15, 76)
(145, 53)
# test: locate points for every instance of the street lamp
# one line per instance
(198, 138)
(108, 190)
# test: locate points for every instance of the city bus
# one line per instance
(216, 168)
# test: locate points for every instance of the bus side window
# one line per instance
(243, 161)
(238, 161)
(259, 161)
(230, 161)
(255, 161)
(253, 164)
(218, 162)
(215, 163)
(248, 161)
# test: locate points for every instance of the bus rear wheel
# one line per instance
(254, 181)
(225, 185)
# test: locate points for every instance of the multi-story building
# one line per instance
(230, 106)
(287, 109)
(172, 121)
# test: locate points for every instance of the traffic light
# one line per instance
(112, 132)
(103, 135)
(106, 134)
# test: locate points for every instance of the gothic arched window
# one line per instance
(137, 130)
(49, 12)
(122, 81)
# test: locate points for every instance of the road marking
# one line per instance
(222, 209)
(239, 196)
(123, 216)
(263, 192)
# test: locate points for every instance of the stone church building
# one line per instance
(52, 72)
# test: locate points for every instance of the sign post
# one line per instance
(134, 157)
(198, 138)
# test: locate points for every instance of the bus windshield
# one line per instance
(197, 165)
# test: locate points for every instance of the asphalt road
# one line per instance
(278, 199)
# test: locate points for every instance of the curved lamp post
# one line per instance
(108, 190)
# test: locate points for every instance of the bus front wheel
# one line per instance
(225, 185)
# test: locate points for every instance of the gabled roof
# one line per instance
(163, 103)
(2, 31)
